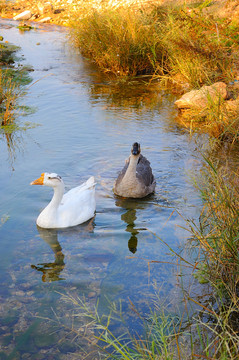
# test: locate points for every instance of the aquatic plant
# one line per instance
(11, 81)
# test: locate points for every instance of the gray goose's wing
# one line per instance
(122, 173)
(144, 171)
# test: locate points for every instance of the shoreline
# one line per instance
(62, 12)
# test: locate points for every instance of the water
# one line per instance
(86, 124)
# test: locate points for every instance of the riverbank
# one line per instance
(62, 12)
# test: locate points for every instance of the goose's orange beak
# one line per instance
(38, 181)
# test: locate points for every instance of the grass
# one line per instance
(217, 240)
(119, 42)
(164, 41)
(217, 234)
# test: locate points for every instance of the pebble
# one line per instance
(92, 294)
(25, 15)
(44, 20)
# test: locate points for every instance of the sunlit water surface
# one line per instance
(86, 125)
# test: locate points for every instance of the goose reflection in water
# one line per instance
(129, 217)
(51, 271)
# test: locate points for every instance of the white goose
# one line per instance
(69, 209)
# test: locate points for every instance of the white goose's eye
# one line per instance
(57, 177)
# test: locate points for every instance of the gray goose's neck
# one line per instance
(131, 170)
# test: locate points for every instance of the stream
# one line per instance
(83, 123)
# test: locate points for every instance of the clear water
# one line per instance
(86, 126)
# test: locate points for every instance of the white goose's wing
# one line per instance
(76, 191)
(78, 205)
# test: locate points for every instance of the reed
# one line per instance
(166, 41)
(217, 240)
(122, 42)
(217, 232)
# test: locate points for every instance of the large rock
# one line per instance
(203, 97)
(25, 15)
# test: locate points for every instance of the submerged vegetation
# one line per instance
(11, 80)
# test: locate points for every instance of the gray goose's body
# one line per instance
(136, 179)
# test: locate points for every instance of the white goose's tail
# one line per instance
(90, 183)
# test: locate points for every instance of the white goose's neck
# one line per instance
(57, 197)
(58, 194)
(131, 170)
(48, 218)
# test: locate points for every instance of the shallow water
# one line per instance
(86, 125)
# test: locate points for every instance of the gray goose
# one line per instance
(136, 179)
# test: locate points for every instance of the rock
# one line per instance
(232, 106)
(92, 294)
(58, 11)
(202, 97)
(25, 15)
(44, 20)
(44, 8)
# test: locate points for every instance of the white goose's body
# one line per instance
(69, 209)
